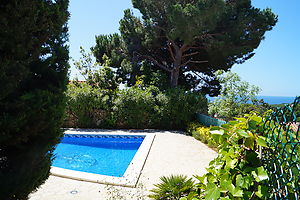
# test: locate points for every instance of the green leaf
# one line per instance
(240, 119)
(231, 163)
(237, 192)
(250, 143)
(239, 180)
(261, 141)
(262, 174)
(213, 193)
(217, 132)
(258, 192)
(227, 126)
(233, 122)
(225, 185)
(247, 181)
(243, 133)
(252, 124)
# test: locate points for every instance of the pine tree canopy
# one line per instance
(186, 39)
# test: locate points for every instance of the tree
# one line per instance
(34, 66)
(101, 77)
(234, 95)
(188, 40)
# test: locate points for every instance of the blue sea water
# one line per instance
(277, 99)
(270, 99)
(106, 156)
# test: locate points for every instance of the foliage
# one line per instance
(88, 107)
(135, 107)
(34, 65)
(148, 107)
(178, 107)
(237, 172)
(100, 77)
(235, 97)
(203, 134)
(172, 187)
(187, 40)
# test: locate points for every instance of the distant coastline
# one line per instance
(270, 99)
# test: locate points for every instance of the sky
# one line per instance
(275, 68)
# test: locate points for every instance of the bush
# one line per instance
(133, 107)
(237, 172)
(34, 66)
(172, 188)
(88, 107)
(202, 133)
(178, 107)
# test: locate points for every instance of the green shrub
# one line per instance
(237, 172)
(135, 108)
(88, 107)
(34, 66)
(178, 107)
(202, 133)
(172, 187)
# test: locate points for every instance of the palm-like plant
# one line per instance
(172, 188)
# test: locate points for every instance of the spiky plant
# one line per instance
(172, 187)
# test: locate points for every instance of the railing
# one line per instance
(282, 158)
(209, 121)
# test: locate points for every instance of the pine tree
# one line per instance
(188, 40)
(34, 66)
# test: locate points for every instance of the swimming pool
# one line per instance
(100, 154)
(104, 157)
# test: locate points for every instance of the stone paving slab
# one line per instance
(171, 153)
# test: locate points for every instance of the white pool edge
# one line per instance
(131, 175)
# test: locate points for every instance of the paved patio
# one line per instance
(171, 153)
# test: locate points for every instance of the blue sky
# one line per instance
(275, 68)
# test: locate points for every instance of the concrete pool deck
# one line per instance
(171, 153)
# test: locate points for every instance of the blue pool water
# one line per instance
(100, 154)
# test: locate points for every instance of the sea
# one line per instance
(276, 99)
(270, 99)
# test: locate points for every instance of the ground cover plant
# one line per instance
(202, 133)
(34, 66)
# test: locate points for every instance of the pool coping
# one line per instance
(132, 173)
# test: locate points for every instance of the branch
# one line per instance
(175, 46)
(190, 61)
(190, 54)
(170, 50)
(184, 48)
(157, 63)
(196, 48)
(204, 61)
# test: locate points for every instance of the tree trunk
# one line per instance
(174, 77)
